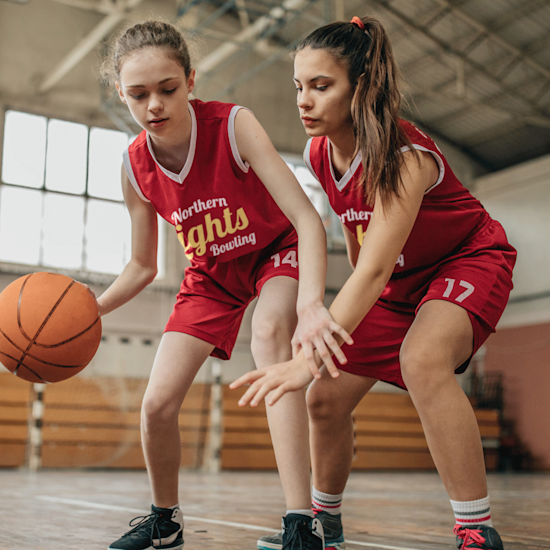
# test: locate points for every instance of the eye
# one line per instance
(321, 88)
(170, 91)
(138, 96)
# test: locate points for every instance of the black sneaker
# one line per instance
(162, 529)
(477, 536)
(332, 531)
(302, 533)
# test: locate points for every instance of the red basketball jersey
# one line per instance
(449, 214)
(218, 205)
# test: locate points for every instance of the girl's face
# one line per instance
(155, 89)
(324, 93)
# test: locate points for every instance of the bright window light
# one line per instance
(106, 148)
(24, 149)
(63, 231)
(20, 225)
(107, 237)
(67, 157)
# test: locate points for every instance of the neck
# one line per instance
(171, 150)
(343, 149)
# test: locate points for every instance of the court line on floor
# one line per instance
(100, 506)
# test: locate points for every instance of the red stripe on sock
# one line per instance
(319, 505)
(473, 520)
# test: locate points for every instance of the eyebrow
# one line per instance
(314, 78)
(161, 82)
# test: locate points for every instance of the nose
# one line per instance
(303, 99)
(155, 103)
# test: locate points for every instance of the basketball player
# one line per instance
(210, 170)
(432, 275)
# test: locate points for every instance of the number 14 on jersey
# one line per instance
(289, 258)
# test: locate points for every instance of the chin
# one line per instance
(314, 132)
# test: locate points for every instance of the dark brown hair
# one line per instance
(374, 76)
(150, 34)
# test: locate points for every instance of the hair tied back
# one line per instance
(356, 21)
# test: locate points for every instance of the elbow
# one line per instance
(150, 275)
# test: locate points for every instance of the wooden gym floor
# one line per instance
(79, 510)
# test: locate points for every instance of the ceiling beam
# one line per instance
(535, 109)
(247, 35)
(489, 33)
(87, 44)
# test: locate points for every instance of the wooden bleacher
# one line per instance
(94, 423)
(14, 413)
(388, 435)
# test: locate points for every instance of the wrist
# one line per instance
(304, 305)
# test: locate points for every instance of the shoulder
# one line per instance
(415, 134)
(314, 150)
(139, 143)
(211, 109)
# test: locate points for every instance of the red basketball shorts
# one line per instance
(213, 296)
(478, 278)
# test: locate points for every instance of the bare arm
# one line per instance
(315, 325)
(383, 241)
(142, 267)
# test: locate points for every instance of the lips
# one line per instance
(157, 122)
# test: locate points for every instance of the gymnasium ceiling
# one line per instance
(477, 71)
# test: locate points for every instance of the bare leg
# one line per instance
(273, 325)
(330, 403)
(178, 359)
(439, 340)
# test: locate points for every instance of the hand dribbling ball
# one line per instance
(50, 327)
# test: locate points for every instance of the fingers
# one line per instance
(310, 360)
(256, 392)
(326, 357)
(246, 379)
(343, 333)
(276, 394)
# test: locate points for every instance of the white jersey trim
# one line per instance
(131, 175)
(244, 166)
(438, 159)
(307, 159)
(180, 178)
(346, 178)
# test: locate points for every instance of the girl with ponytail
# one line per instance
(432, 275)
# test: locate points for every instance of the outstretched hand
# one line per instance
(278, 379)
(315, 333)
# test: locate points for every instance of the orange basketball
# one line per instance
(49, 327)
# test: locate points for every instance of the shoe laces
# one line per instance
(150, 521)
(295, 535)
(470, 537)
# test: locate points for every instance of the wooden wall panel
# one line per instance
(14, 413)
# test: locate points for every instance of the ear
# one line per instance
(191, 81)
(120, 92)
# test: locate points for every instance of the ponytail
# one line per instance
(364, 46)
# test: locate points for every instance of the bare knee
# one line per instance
(157, 413)
(424, 372)
(323, 405)
(270, 340)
